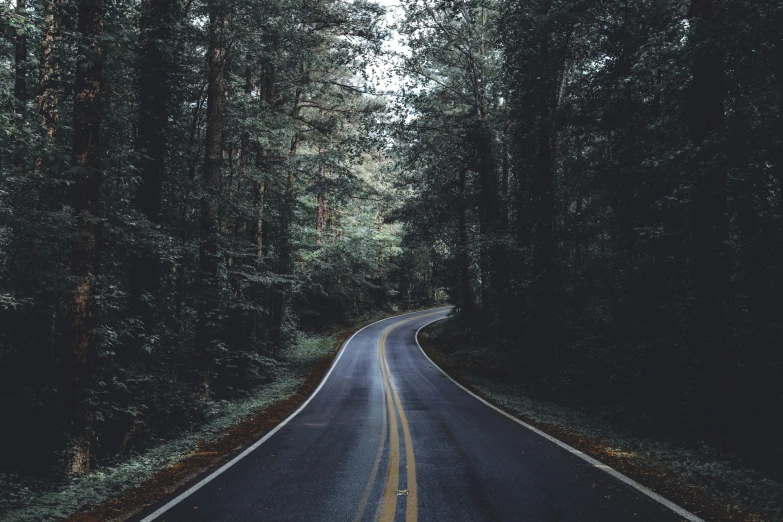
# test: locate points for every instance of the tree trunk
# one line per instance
(154, 95)
(779, 166)
(778, 283)
(543, 195)
(244, 143)
(87, 243)
(505, 160)
(756, 286)
(709, 212)
(20, 79)
(261, 189)
(579, 240)
(264, 82)
(709, 269)
(490, 217)
(466, 297)
(285, 259)
(49, 98)
(623, 186)
(579, 243)
(320, 212)
(210, 260)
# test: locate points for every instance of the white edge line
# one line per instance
(255, 445)
(613, 472)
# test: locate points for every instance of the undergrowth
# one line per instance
(29, 500)
(723, 479)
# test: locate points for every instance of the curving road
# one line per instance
(389, 437)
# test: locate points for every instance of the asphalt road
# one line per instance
(442, 455)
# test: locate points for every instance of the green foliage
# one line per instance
(301, 243)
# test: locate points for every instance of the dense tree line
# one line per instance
(601, 183)
(186, 184)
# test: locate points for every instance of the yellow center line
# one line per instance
(392, 398)
(374, 472)
(389, 502)
(412, 503)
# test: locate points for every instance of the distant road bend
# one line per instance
(387, 436)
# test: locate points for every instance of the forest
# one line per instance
(187, 186)
(602, 182)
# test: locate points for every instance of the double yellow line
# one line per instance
(389, 502)
(392, 407)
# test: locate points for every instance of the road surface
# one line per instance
(389, 437)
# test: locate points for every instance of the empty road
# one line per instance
(389, 437)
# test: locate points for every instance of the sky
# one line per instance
(394, 46)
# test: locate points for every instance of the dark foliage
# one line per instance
(603, 179)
